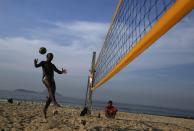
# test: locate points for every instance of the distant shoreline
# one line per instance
(28, 115)
(96, 108)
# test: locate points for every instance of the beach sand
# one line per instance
(28, 116)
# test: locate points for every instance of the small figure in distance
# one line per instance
(48, 69)
(110, 110)
(10, 100)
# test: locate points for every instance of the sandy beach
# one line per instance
(28, 116)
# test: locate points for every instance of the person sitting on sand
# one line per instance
(48, 79)
(110, 110)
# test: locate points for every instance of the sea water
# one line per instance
(41, 97)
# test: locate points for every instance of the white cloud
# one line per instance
(82, 33)
(175, 48)
(73, 43)
(17, 53)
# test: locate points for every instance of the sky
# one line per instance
(162, 76)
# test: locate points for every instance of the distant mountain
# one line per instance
(25, 91)
(24, 94)
(45, 92)
(29, 95)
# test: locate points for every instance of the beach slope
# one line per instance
(28, 116)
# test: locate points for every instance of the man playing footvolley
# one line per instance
(48, 79)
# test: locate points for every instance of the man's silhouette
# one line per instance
(48, 79)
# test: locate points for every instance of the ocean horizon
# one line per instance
(22, 95)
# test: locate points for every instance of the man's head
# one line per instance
(49, 57)
(110, 103)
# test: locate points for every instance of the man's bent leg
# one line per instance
(53, 90)
(47, 105)
(50, 84)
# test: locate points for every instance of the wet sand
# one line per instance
(28, 116)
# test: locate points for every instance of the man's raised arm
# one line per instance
(36, 63)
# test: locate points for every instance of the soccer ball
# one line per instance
(42, 50)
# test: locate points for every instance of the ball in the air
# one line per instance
(42, 50)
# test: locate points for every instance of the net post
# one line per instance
(91, 83)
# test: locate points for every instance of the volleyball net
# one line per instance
(135, 26)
